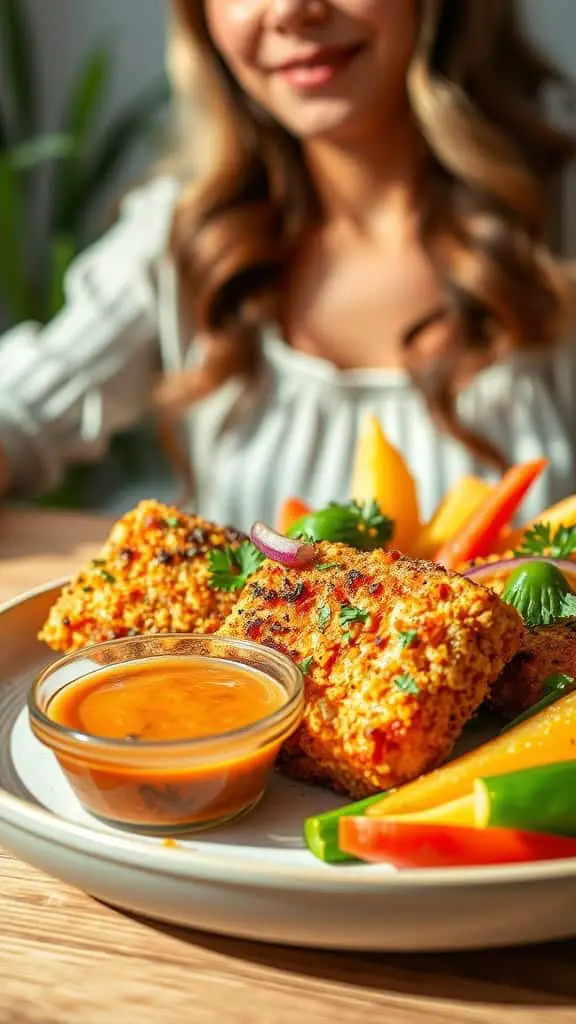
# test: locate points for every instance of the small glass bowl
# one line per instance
(176, 786)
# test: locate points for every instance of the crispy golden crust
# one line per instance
(545, 651)
(383, 705)
(151, 576)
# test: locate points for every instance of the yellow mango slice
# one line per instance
(381, 474)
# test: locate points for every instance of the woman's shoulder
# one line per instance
(158, 193)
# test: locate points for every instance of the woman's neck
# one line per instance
(368, 179)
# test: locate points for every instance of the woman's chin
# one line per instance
(328, 118)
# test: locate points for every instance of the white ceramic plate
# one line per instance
(252, 879)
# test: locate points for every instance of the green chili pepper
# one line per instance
(537, 590)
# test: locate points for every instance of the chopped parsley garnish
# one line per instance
(408, 637)
(407, 684)
(230, 568)
(541, 540)
(107, 576)
(349, 614)
(174, 522)
(323, 616)
(98, 561)
(88, 590)
(305, 665)
(327, 565)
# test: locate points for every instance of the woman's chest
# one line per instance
(352, 304)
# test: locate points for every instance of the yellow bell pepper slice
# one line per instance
(547, 738)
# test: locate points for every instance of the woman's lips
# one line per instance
(319, 70)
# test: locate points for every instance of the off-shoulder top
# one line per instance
(65, 388)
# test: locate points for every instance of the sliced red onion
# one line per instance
(508, 565)
(286, 550)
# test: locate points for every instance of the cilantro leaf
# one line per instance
(230, 568)
(305, 665)
(174, 522)
(323, 616)
(406, 684)
(327, 565)
(248, 558)
(540, 540)
(408, 637)
(348, 614)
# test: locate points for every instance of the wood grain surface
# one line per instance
(66, 959)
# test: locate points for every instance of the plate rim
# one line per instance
(224, 868)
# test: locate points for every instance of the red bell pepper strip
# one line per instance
(479, 534)
(413, 845)
(291, 510)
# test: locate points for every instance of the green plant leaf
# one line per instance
(4, 132)
(87, 97)
(14, 284)
(39, 150)
(62, 252)
(18, 59)
(127, 129)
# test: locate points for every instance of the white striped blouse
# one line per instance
(65, 388)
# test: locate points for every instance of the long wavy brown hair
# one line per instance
(474, 87)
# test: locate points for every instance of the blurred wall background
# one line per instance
(65, 31)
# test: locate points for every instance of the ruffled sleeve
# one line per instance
(67, 387)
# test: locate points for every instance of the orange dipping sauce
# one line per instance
(167, 699)
(168, 744)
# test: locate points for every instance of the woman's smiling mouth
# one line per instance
(318, 67)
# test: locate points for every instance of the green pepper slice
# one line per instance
(554, 688)
(321, 831)
(361, 526)
(541, 799)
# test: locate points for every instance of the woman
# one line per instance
(369, 231)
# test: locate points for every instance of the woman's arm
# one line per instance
(67, 387)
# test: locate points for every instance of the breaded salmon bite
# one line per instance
(151, 576)
(397, 654)
(545, 651)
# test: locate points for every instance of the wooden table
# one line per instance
(65, 959)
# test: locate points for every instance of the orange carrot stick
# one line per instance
(479, 533)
